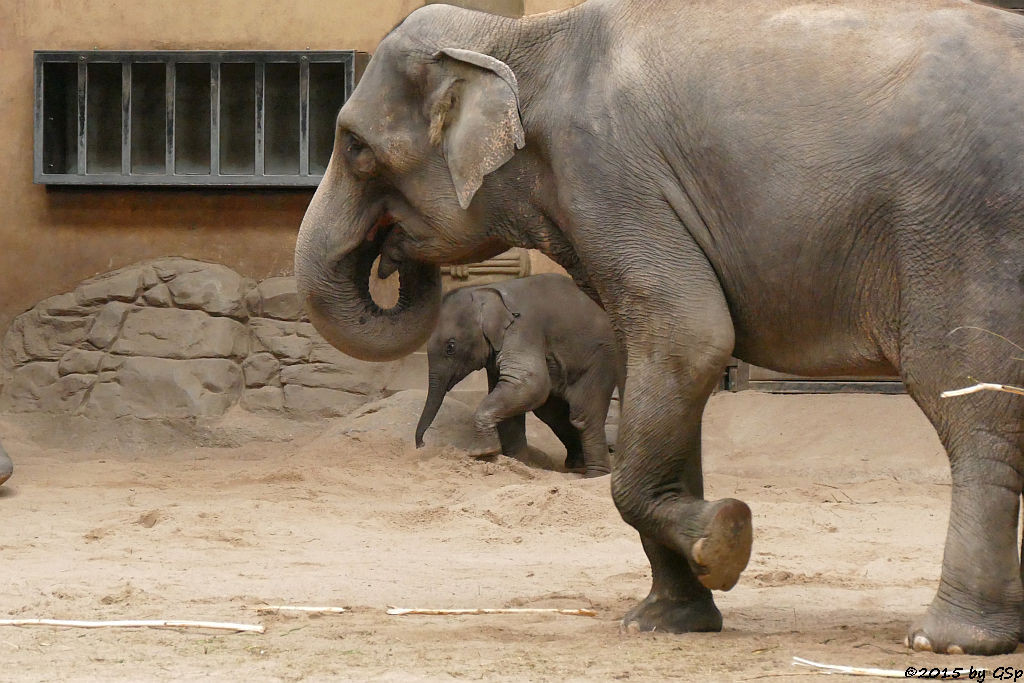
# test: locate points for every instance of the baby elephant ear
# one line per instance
(494, 316)
(475, 119)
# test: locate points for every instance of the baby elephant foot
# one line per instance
(721, 553)
(574, 463)
(578, 466)
(944, 633)
(674, 616)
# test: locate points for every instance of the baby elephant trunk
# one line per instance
(435, 397)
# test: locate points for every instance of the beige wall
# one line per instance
(538, 6)
(50, 239)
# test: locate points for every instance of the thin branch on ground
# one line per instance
(400, 611)
(850, 670)
(143, 623)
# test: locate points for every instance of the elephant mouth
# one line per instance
(387, 237)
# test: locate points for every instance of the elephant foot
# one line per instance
(721, 553)
(578, 466)
(575, 464)
(942, 632)
(674, 616)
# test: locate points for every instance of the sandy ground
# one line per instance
(850, 498)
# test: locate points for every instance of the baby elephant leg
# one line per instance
(595, 442)
(511, 431)
(555, 414)
(512, 435)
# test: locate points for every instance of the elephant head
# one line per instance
(431, 118)
(470, 331)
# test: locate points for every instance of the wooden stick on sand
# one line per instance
(144, 623)
(300, 608)
(849, 670)
(400, 611)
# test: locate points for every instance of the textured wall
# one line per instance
(178, 338)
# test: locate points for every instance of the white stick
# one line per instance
(850, 670)
(301, 608)
(400, 611)
(146, 623)
(984, 386)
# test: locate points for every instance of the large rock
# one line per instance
(261, 369)
(279, 338)
(263, 399)
(106, 325)
(64, 304)
(276, 297)
(213, 288)
(162, 388)
(396, 417)
(80, 362)
(354, 376)
(174, 333)
(125, 284)
(37, 336)
(316, 402)
(39, 387)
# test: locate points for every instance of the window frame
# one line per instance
(353, 63)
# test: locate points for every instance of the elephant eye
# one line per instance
(449, 348)
(354, 145)
(360, 157)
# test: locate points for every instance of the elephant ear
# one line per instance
(495, 317)
(474, 118)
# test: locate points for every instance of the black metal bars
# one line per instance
(188, 118)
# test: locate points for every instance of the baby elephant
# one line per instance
(546, 346)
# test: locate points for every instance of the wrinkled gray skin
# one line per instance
(816, 187)
(547, 348)
(6, 466)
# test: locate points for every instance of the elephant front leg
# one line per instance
(512, 431)
(505, 407)
(512, 436)
(657, 484)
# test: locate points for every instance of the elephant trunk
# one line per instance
(435, 396)
(334, 257)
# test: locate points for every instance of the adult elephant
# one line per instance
(811, 187)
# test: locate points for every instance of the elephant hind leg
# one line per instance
(555, 414)
(980, 601)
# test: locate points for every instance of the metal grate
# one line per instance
(193, 118)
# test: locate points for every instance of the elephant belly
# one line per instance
(811, 347)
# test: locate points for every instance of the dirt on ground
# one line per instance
(155, 521)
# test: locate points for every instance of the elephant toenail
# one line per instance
(954, 650)
(906, 641)
(631, 627)
(922, 644)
